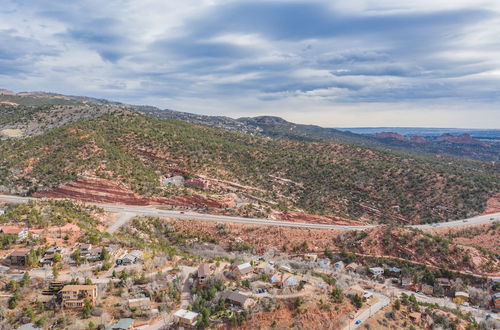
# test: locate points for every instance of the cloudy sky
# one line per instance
(328, 62)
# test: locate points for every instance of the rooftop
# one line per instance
(203, 270)
(234, 297)
(19, 253)
(75, 287)
(185, 314)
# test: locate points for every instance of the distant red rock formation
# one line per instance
(390, 135)
(460, 139)
(418, 139)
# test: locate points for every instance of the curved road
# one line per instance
(131, 211)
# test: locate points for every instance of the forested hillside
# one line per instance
(317, 177)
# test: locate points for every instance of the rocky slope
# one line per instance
(417, 246)
(321, 178)
(73, 108)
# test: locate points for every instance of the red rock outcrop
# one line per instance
(97, 190)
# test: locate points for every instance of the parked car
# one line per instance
(358, 322)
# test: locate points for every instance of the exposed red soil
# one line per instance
(9, 103)
(311, 218)
(493, 205)
(309, 316)
(97, 190)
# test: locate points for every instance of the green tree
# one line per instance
(25, 280)
(55, 271)
(336, 295)
(57, 257)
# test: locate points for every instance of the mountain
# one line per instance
(134, 153)
(276, 127)
(72, 108)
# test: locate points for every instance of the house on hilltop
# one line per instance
(73, 296)
(237, 299)
(242, 269)
(18, 257)
(185, 318)
(203, 273)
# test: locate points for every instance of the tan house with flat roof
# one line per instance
(73, 296)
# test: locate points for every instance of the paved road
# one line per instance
(382, 301)
(154, 211)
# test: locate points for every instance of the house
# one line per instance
(73, 296)
(139, 303)
(242, 269)
(464, 296)
(203, 273)
(122, 324)
(11, 230)
(351, 267)
(290, 282)
(94, 254)
(285, 268)
(238, 299)
(394, 270)
(18, 257)
(85, 248)
(367, 295)
(339, 265)
(185, 318)
(354, 290)
(177, 180)
(48, 257)
(427, 289)
(324, 263)
(277, 280)
(495, 300)
(129, 258)
(3, 269)
(443, 287)
(310, 257)
(406, 281)
(376, 271)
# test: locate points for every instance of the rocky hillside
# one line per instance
(409, 244)
(317, 177)
(30, 113)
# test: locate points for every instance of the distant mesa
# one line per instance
(460, 139)
(390, 135)
(418, 139)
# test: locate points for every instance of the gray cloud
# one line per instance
(245, 57)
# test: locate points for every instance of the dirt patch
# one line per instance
(12, 132)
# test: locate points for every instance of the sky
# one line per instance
(334, 63)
